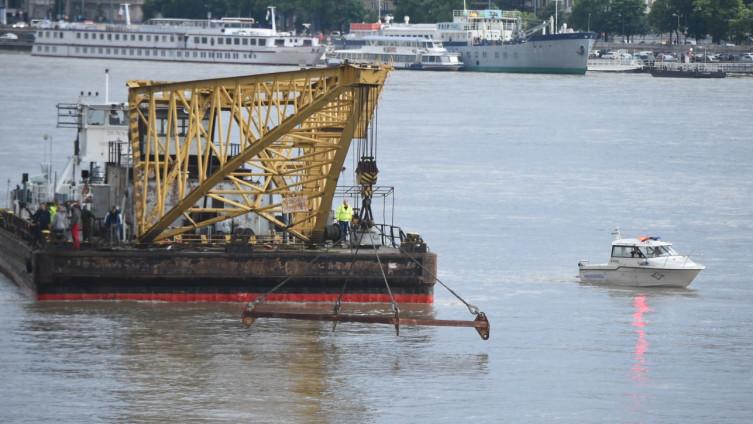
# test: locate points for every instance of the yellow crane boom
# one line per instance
(260, 144)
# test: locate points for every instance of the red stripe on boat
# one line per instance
(240, 297)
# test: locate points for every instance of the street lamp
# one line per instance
(47, 137)
(589, 23)
(556, 17)
(678, 27)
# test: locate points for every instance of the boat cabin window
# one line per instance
(262, 41)
(642, 252)
(626, 252)
(115, 117)
(95, 117)
(307, 43)
(659, 251)
(279, 42)
(252, 41)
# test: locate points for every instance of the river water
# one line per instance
(511, 179)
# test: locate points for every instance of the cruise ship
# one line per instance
(415, 53)
(226, 40)
(492, 40)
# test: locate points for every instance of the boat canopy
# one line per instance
(640, 241)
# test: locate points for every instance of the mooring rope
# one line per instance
(474, 310)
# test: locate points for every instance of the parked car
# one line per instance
(20, 24)
(665, 57)
(726, 57)
(9, 36)
(647, 57)
(706, 58)
(41, 23)
(746, 57)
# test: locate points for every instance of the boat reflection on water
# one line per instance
(639, 371)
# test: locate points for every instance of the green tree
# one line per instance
(660, 17)
(591, 15)
(428, 10)
(629, 18)
(741, 27)
(626, 17)
(717, 15)
(324, 15)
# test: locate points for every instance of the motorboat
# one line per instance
(645, 261)
(416, 53)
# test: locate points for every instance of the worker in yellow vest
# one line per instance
(344, 215)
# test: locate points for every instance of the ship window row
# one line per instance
(46, 49)
(152, 53)
(122, 37)
(238, 41)
(50, 34)
(232, 41)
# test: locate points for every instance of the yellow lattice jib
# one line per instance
(211, 150)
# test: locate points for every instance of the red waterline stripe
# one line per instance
(239, 297)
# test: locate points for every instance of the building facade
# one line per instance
(78, 10)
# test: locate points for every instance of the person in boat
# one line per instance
(113, 224)
(52, 208)
(87, 220)
(636, 253)
(344, 215)
(40, 222)
(76, 225)
(58, 223)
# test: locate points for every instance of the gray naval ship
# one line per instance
(492, 40)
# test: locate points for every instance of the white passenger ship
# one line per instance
(400, 52)
(226, 40)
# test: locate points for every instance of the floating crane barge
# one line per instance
(226, 188)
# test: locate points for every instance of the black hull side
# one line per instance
(212, 276)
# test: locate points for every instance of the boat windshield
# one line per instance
(642, 252)
(658, 251)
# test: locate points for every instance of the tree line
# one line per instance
(321, 15)
(721, 19)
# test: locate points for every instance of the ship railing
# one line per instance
(486, 14)
(16, 225)
(219, 239)
(69, 115)
(119, 153)
(388, 236)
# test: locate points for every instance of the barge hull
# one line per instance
(63, 274)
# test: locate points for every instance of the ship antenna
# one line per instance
(616, 233)
(126, 8)
(107, 86)
(272, 12)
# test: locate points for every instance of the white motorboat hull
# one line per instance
(643, 276)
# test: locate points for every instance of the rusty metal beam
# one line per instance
(481, 323)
